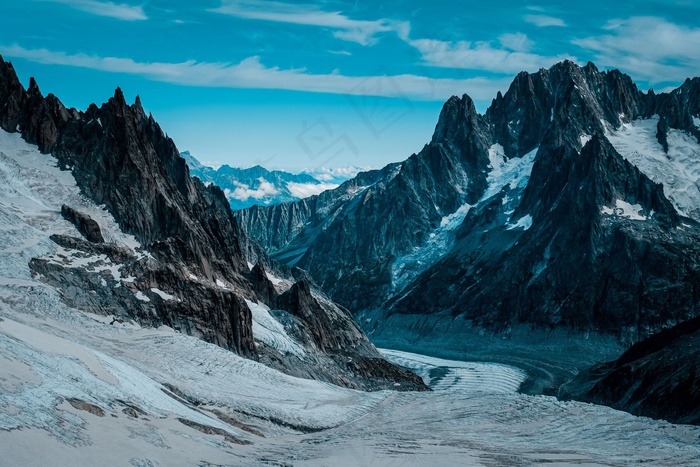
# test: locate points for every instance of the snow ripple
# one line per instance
(449, 375)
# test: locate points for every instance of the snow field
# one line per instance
(679, 170)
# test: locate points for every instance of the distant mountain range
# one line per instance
(258, 186)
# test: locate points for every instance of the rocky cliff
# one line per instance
(658, 377)
(188, 268)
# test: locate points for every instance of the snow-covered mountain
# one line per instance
(336, 175)
(558, 171)
(131, 322)
(258, 186)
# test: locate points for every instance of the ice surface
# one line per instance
(585, 139)
(514, 172)
(679, 170)
(460, 376)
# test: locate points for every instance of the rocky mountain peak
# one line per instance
(33, 88)
(523, 114)
(457, 116)
(119, 97)
(13, 94)
(576, 96)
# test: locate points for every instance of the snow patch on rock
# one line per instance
(141, 296)
(524, 223)
(625, 209)
(161, 294)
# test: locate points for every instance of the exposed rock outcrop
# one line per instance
(85, 224)
(658, 377)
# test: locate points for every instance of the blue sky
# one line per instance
(297, 85)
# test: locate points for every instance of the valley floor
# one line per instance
(76, 390)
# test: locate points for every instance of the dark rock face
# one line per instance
(156, 295)
(85, 224)
(658, 377)
(543, 241)
(191, 273)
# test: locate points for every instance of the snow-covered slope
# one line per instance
(678, 170)
(269, 331)
(32, 190)
(194, 275)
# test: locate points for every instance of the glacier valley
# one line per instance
(82, 389)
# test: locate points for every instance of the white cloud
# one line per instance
(360, 31)
(649, 48)
(108, 9)
(243, 192)
(251, 73)
(304, 190)
(544, 20)
(483, 56)
(336, 174)
(517, 42)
